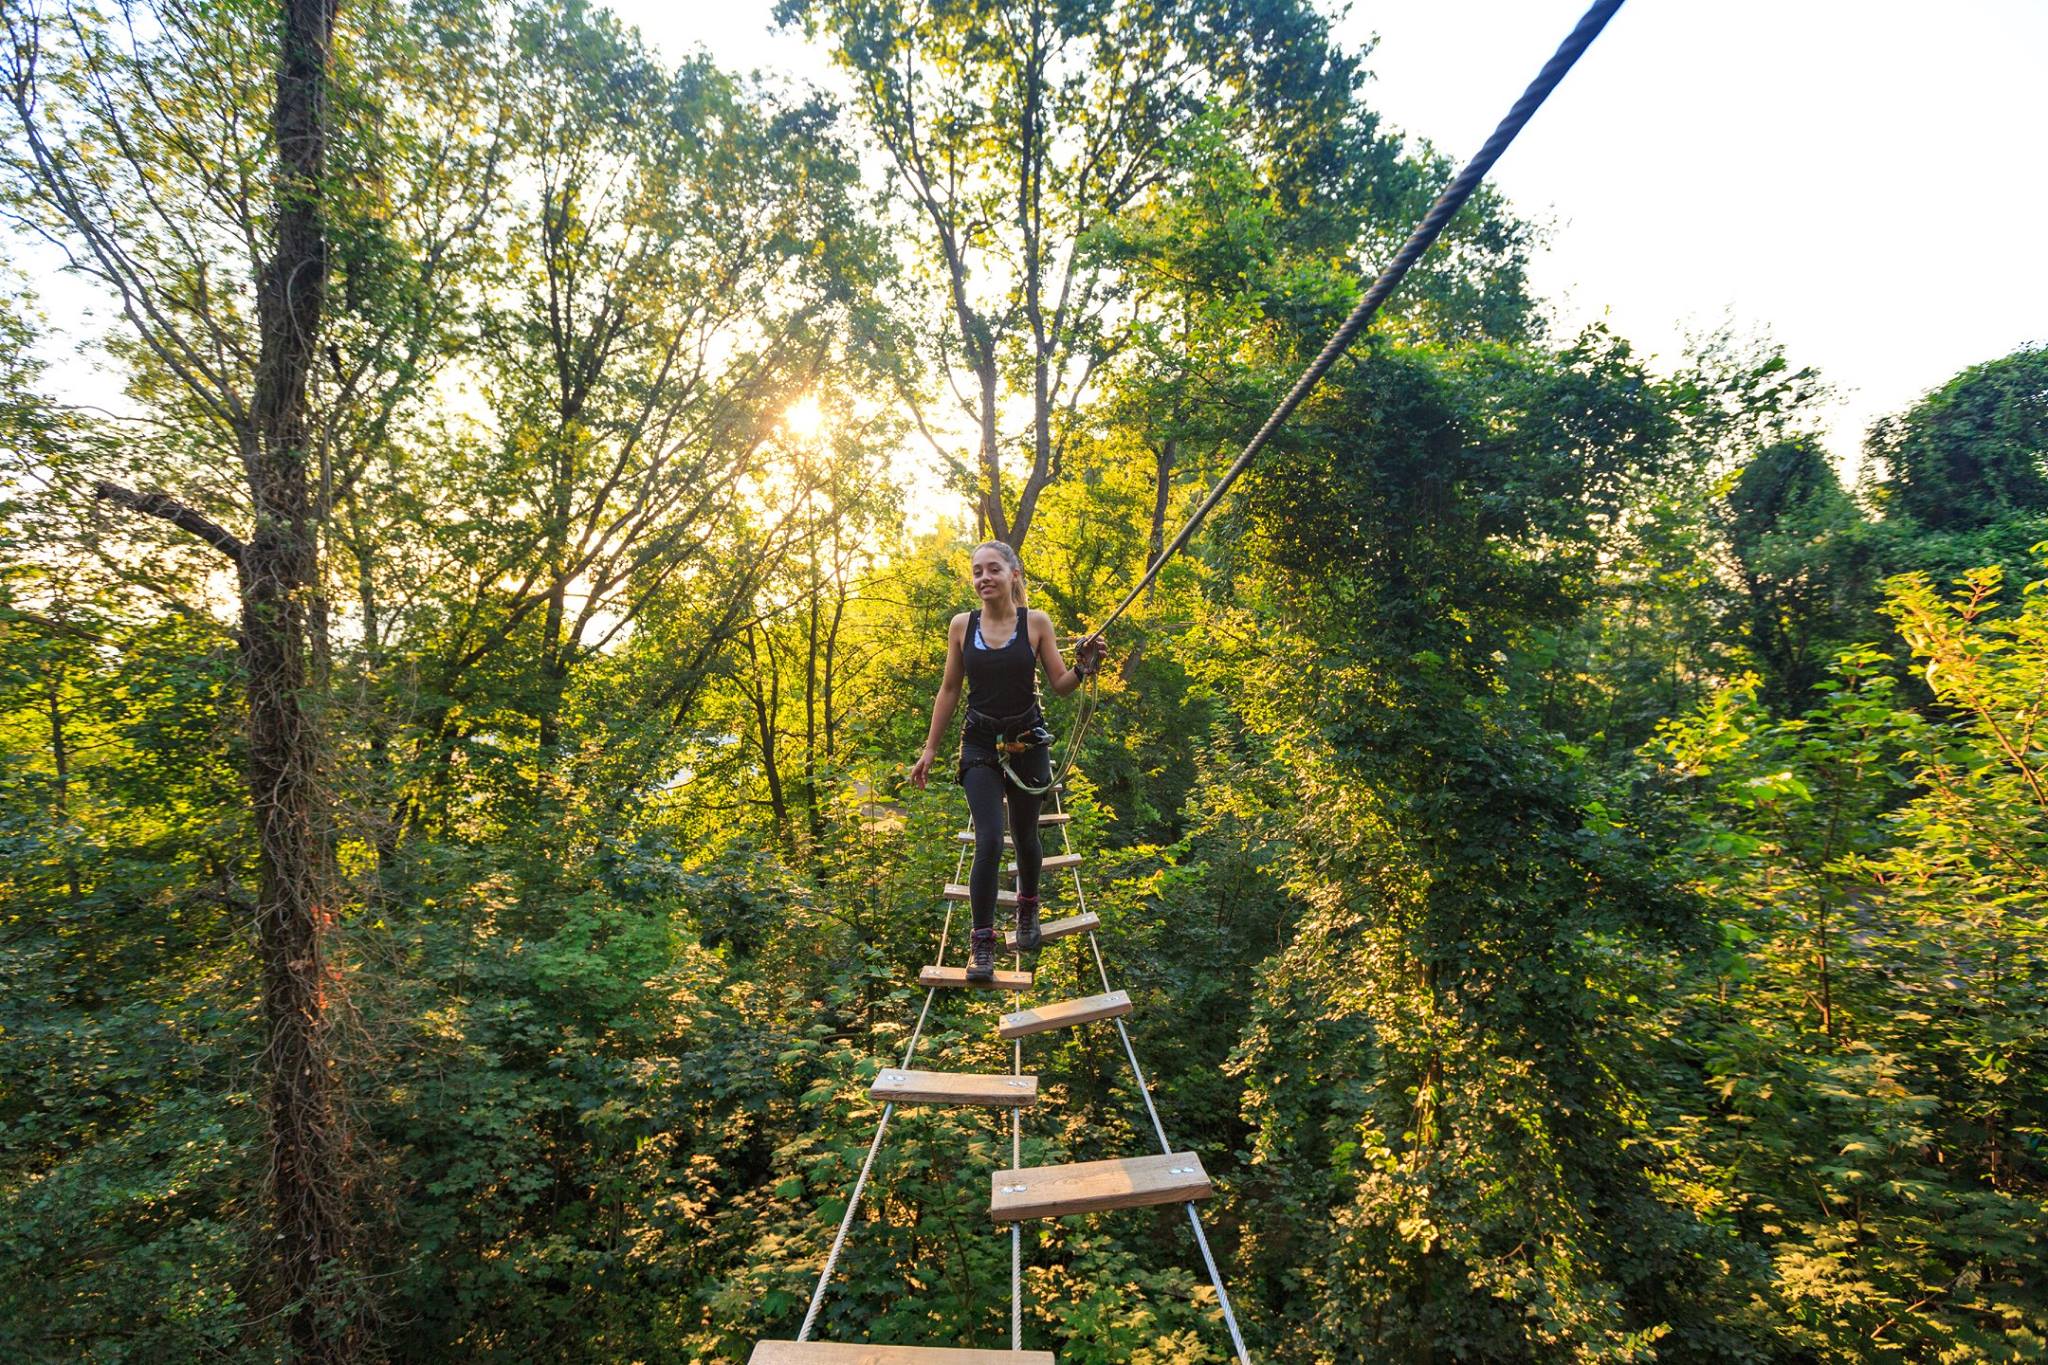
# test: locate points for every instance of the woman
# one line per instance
(997, 648)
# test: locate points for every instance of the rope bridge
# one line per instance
(1170, 1177)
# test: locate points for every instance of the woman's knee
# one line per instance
(985, 804)
(1025, 836)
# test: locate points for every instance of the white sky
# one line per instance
(1862, 179)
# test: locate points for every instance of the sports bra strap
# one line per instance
(1023, 628)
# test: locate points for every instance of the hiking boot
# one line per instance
(1027, 924)
(981, 955)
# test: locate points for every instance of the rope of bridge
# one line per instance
(867, 1166)
(1158, 1128)
(1017, 1140)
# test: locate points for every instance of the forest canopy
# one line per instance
(1579, 861)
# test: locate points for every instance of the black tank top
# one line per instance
(1002, 683)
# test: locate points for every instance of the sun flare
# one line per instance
(804, 419)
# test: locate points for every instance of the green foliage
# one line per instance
(1560, 938)
(1971, 454)
(1438, 1089)
(1804, 557)
(1855, 1047)
(129, 1141)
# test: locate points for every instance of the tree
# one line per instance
(676, 263)
(275, 567)
(1805, 559)
(1463, 918)
(809, 615)
(1015, 134)
(1854, 1062)
(1666, 610)
(1973, 452)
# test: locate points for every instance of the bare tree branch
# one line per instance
(187, 519)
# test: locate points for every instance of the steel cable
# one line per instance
(1017, 1228)
(1017, 1160)
(1424, 236)
(1426, 232)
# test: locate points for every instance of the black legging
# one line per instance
(985, 787)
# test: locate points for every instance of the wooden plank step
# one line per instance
(957, 891)
(966, 836)
(1059, 928)
(1054, 862)
(844, 1353)
(1065, 1014)
(1087, 1186)
(996, 1091)
(957, 976)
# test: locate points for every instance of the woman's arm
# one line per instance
(947, 702)
(1058, 676)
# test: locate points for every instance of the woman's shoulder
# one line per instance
(957, 627)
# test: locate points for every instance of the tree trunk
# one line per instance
(767, 700)
(832, 666)
(305, 1248)
(1163, 459)
(60, 760)
(995, 522)
(554, 648)
(812, 647)
(381, 777)
(308, 1143)
(1030, 202)
(1164, 456)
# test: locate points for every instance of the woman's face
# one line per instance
(992, 574)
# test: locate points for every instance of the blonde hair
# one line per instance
(1009, 557)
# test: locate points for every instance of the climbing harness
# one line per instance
(1016, 734)
(1012, 737)
(1073, 750)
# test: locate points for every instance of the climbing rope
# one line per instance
(866, 1167)
(1419, 241)
(1158, 1128)
(1426, 232)
(1017, 1228)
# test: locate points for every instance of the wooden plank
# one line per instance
(1087, 1186)
(1059, 928)
(957, 891)
(957, 976)
(1054, 862)
(996, 1091)
(966, 836)
(844, 1353)
(1065, 1014)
